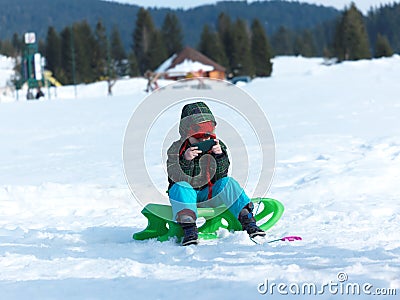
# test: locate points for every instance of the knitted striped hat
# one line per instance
(196, 118)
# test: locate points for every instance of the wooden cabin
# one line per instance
(190, 63)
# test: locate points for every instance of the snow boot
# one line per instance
(187, 220)
(246, 218)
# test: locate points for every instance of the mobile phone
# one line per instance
(205, 146)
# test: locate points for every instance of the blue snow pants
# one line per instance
(224, 191)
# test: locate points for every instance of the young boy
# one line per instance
(199, 180)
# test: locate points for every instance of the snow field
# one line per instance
(67, 215)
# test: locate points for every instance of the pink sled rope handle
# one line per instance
(291, 238)
(287, 239)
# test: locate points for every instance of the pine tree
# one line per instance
(118, 55)
(327, 52)
(65, 74)
(142, 36)
(298, 46)
(85, 43)
(204, 45)
(156, 53)
(382, 47)
(17, 43)
(323, 36)
(53, 51)
(310, 50)
(7, 49)
(260, 50)
(351, 39)
(172, 34)
(304, 44)
(41, 46)
(242, 63)
(225, 33)
(100, 52)
(385, 21)
(282, 42)
(211, 46)
(133, 65)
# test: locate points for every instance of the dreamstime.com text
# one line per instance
(340, 287)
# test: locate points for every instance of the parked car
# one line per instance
(237, 79)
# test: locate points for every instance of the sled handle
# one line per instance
(270, 206)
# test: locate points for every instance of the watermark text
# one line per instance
(339, 287)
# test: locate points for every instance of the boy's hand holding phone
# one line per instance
(203, 147)
(191, 153)
(216, 149)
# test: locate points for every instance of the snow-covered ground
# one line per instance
(67, 215)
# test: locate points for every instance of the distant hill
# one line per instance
(20, 16)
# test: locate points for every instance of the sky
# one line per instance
(363, 5)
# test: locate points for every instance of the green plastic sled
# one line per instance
(161, 226)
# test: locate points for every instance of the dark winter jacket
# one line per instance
(180, 169)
